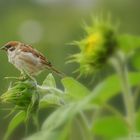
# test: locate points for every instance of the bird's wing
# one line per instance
(29, 48)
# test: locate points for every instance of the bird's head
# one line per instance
(10, 46)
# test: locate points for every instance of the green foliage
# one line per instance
(50, 100)
(110, 128)
(20, 93)
(60, 123)
(16, 120)
(128, 43)
(52, 97)
(110, 87)
(71, 86)
(49, 81)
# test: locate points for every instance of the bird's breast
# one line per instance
(11, 57)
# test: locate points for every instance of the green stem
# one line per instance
(26, 128)
(119, 64)
(116, 112)
(80, 130)
(85, 126)
(136, 94)
(36, 122)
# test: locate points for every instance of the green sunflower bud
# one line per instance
(97, 46)
(20, 94)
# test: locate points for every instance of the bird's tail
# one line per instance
(61, 74)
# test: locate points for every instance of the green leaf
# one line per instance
(60, 134)
(76, 90)
(110, 128)
(111, 87)
(128, 42)
(44, 135)
(50, 100)
(59, 124)
(49, 81)
(60, 117)
(17, 120)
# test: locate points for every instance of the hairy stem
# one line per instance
(119, 64)
(36, 121)
(116, 112)
(26, 128)
(85, 125)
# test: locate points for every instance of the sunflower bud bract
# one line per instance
(97, 46)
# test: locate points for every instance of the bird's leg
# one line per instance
(23, 76)
(26, 76)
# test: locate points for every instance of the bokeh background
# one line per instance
(50, 26)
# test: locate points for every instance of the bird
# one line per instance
(27, 59)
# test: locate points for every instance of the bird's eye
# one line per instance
(11, 49)
(8, 46)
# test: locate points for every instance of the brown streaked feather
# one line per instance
(57, 72)
(28, 48)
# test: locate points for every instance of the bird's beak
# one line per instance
(3, 48)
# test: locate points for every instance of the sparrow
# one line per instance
(27, 59)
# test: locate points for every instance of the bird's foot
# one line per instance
(26, 76)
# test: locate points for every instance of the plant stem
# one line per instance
(119, 64)
(26, 128)
(36, 122)
(85, 125)
(116, 112)
(136, 94)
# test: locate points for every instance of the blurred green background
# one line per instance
(50, 25)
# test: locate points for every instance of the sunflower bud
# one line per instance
(97, 46)
(20, 94)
